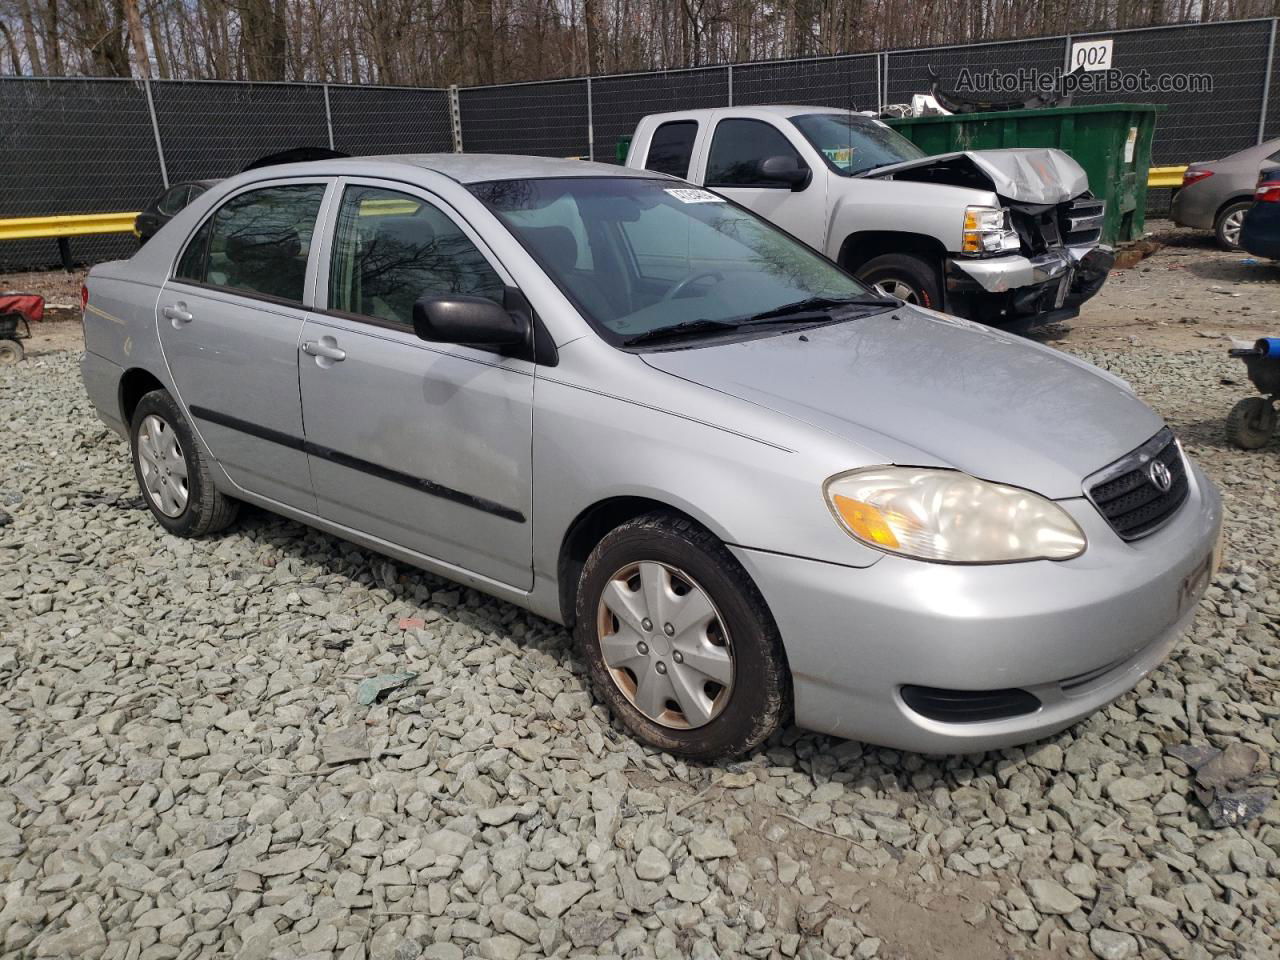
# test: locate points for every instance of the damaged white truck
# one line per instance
(1007, 237)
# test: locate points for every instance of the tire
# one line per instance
(1251, 423)
(11, 352)
(678, 554)
(168, 448)
(1226, 227)
(905, 276)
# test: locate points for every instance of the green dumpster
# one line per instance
(1112, 141)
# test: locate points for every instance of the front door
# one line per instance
(229, 321)
(426, 446)
(738, 146)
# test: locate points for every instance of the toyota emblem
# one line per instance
(1160, 476)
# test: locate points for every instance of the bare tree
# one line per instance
(438, 42)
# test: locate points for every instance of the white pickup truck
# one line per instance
(992, 235)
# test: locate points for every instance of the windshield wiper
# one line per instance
(812, 305)
(689, 328)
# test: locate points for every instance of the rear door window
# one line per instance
(257, 243)
(671, 149)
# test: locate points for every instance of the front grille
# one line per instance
(1080, 220)
(1037, 228)
(968, 706)
(1128, 496)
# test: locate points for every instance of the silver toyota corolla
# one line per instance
(753, 487)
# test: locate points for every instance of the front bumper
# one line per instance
(1017, 286)
(1076, 634)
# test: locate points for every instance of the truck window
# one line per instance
(738, 148)
(671, 149)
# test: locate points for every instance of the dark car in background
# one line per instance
(1216, 195)
(166, 206)
(1260, 231)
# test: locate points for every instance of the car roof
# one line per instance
(464, 168)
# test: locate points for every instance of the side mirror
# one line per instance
(474, 321)
(785, 170)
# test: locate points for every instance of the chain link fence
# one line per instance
(100, 145)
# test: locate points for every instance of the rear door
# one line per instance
(426, 446)
(229, 320)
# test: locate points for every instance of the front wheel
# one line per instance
(11, 352)
(172, 470)
(1251, 423)
(905, 276)
(679, 641)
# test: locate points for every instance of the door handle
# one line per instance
(178, 313)
(322, 350)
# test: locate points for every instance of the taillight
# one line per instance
(1195, 176)
(1268, 192)
(84, 296)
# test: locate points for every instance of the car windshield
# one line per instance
(638, 256)
(852, 145)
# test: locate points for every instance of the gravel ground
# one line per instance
(185, 770)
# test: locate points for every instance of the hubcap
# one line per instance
(164, 468)
(665, 645)
(900, 289)
(1231, 228)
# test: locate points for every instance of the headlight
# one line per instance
(988, 230)
(950, 517)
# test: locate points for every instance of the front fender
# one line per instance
(931, 210)
(758, 488)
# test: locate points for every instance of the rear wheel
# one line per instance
(172, 470)
(11, 352)
(1251, 423)
(1227, 226)
(679, 641)
(905, 276)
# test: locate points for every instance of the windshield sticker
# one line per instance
(841, 156)
(693, 195)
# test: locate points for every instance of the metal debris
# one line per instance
(373, 688)
(1227, 781)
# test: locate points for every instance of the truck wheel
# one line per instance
(904, 276)
(1227, 226)
(678, 640)
(1251, 423)
(10, 352)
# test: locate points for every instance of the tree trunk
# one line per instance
(14, 60)
(29, 37)
(141, 59)
(52, 49)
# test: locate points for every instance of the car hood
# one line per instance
(921, 388)
(1021, 174)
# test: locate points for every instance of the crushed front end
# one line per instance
(1060, 263)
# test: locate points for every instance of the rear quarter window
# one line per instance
(671, 149)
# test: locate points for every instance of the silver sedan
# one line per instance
(755, 489)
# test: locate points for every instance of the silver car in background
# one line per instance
(1216, 195)
(754, 488)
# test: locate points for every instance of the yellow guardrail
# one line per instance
(84, 225)
(1165, 176)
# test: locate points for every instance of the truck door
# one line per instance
(739, 146)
